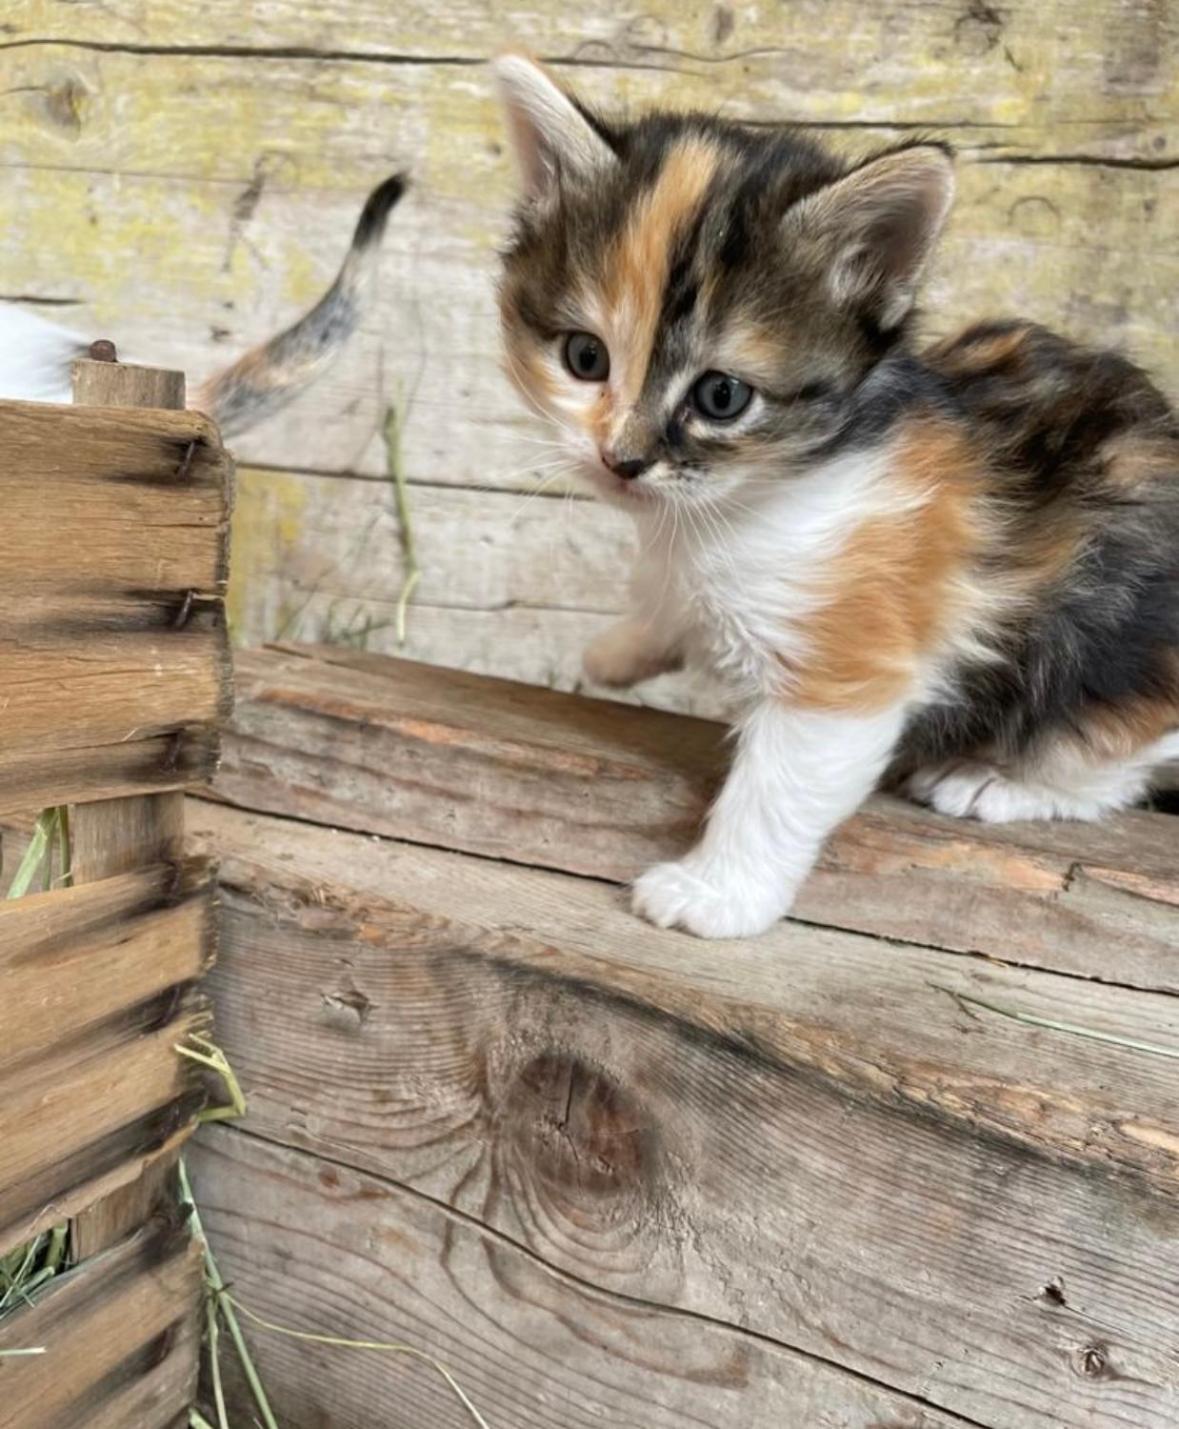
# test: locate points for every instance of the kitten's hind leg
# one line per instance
(1066, 782)
(629, 651)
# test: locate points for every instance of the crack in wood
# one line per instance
(614, 1297)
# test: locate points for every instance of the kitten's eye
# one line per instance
(721, 397)
(586, 357)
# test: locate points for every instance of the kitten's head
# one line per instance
(693, 302)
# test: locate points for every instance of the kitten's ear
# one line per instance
(881, 222)
(550, 133)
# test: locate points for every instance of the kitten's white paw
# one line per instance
(690, 895)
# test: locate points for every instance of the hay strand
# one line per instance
(1073, 1029)
(218, 1303)
(395, 470)
(208, 1054)
(387, 1347)
(50, 833)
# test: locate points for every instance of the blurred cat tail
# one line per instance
(268, 377)
(35, 355)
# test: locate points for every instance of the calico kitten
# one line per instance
(960, 565)
(35, 356)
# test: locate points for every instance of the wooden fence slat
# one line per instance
(84, 1110)
(113, 651)
(75, 957)
(811, 1137)
(120, 1342)
(598, 788)
(82, 489)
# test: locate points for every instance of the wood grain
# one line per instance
(597, 788)
(121, 1348)
(328, 1250)
(879, 69)
(113, 652)
(811, 1139)
(71, 959)
(97, 1105)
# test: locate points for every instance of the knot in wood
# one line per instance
(578, 1134)
(1094, 1362)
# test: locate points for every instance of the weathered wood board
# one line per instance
(120, 1342)
(113, 650)
(343, 1250)
(97, 988)
(230, 156)
(1102, 58)
(811, 1138)
(601, 789)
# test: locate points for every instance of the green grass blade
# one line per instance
(34, 855)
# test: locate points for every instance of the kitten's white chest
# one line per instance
(734, 607)
(739, 586)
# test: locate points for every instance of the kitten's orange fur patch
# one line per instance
(636, 270)
(985, 353)
(900, 587)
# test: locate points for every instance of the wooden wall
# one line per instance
(185, 174)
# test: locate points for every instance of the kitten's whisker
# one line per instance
(529, 496)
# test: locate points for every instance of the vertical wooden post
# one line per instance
(113, 836)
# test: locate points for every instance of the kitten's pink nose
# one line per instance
(625, 467)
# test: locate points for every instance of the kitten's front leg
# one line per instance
(797, 774)
(631, 650)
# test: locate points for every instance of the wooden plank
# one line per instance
(101, 380)
(538, 645)
(71, 959)
(331, 1251)
(597, 788)
(114, 474)
(137, 765)
(113, 651)
(96, 1105)
(121, 1348)
(338, 540)
(812, 1137)
(162, 1395)
(832, 60)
